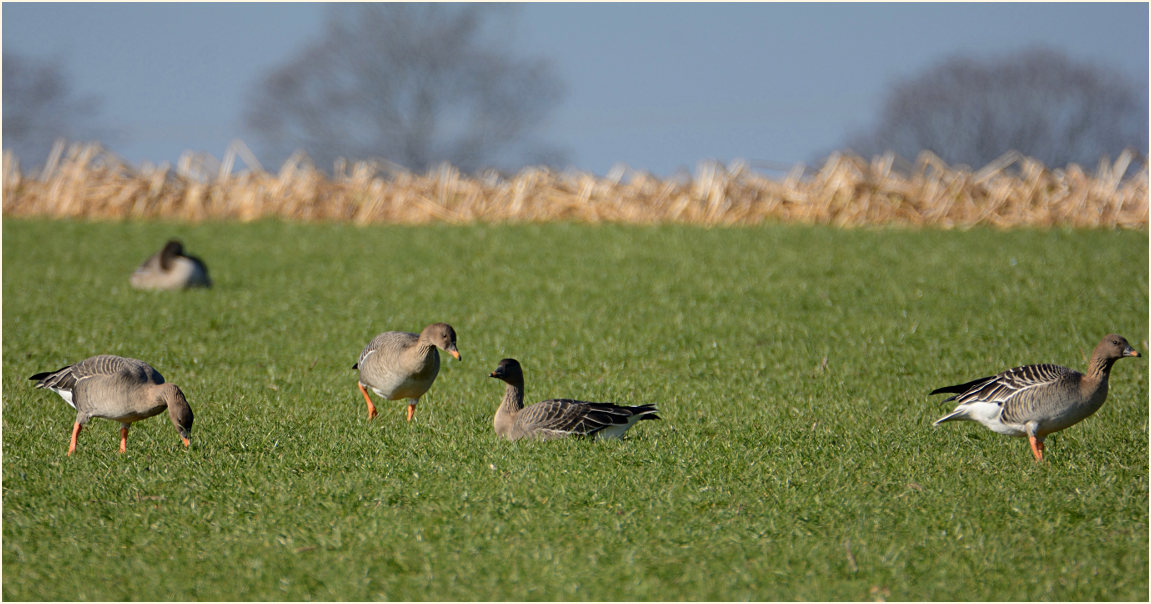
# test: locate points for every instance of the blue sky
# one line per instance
(658, 87)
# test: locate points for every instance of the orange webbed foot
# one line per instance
(371, 408)
(1036, 448)
(75, 434)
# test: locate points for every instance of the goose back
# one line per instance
(558, 418)
(171, 269)
(1036, 400)
(400, 364)
(1046, 392)
(396, 366)
(107, 386)
(120, 389)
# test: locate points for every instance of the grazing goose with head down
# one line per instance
(558, 417)
(400, 365)
(1036, 400)
(120, 389)
(170, 268)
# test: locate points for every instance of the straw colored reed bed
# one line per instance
(86, 181)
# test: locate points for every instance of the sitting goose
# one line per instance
(558, 417)
(170, 268)
(400, 365)
(117, 388)
(1036, 400)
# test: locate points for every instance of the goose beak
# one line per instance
(1131, 352)
(186, 441)
(493, 374)
(456, 354)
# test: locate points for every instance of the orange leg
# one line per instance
(123, 439)
(1036, 448)
(411, 411)
(371, 408)
(75, 433)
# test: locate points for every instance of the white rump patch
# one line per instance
(616, 430)
(66, 395)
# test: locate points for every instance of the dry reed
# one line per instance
(86, 181)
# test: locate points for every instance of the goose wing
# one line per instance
(63, 381)
(571, 417)
(65, 378)
(107, 364)
(389, 343)
(1010, 385)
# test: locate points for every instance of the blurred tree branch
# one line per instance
(414, 84)
(41, 107)
(1038, 102)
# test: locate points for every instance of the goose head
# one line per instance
(443, 337)
(178, 411)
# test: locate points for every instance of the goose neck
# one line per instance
(1099, 369)
(513, 398)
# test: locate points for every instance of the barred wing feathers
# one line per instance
(63, 381)
(568, 416)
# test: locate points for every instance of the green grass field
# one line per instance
(795, 460)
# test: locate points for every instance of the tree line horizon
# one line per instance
(420, 85)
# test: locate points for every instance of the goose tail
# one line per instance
(959, 389)
(60, 381)
(958, 414)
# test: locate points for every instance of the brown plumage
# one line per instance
(171, 269)
(401, 365)
(117, 388)
(1036, 400)
(557, 418)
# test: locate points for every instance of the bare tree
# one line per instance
(414, 84)
(40, 107)
(1038, 102)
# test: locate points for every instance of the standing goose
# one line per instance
(170, 268)
(558, 417)
(400, 365)
(120, 389)
(1036, 400)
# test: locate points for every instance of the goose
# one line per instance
(117, 388)
(558, 417)
(170, 268)
(1036, 400)
(401, 365)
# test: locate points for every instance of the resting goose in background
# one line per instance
(120, 389)
(557, 418)
(1036, 400)
(170, 268)
(400, 365)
